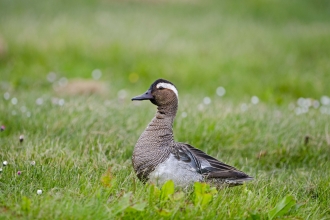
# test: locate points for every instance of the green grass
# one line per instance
(276, 50)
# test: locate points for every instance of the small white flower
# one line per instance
(221, 91)
(316, 104)
(244, 107)
(39, 101)
(33, 163)
(61, 102)
(5, 163)
(51, 77)
(254, 100)
(96, 74)
(325, 100)
(14, 101)
(323, 109)
(39, 191)
(301, 101)
(207, 100)
(6, 95)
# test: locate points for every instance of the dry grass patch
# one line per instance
(82, 87)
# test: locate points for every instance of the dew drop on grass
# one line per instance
(6, 95)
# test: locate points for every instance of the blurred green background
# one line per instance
(276, 50)
(51, 52)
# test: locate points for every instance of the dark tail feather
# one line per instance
(240, 181)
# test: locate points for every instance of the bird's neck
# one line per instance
(160, 129)
(162, 124)
(153, 146)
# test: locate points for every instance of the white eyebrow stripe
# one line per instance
(168, 86)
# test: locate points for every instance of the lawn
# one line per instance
(253, 83)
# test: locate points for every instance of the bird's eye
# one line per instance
(160, 88)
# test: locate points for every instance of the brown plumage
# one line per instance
(158, 158)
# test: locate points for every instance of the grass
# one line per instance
(82, 144)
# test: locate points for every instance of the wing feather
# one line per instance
(207, 165)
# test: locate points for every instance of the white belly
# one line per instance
(180, 172)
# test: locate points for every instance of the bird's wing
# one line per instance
(205, 164)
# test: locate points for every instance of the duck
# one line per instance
(157, 157)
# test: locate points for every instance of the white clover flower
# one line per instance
(39, 191)
(6, 95)
(244, 107)
(96, 74)
(14, 101)
(254, 100)
(325, 100)
(39, 101)
(61, 102)
(5, 163)
(221, 91)
(207, 100)
(51, 77)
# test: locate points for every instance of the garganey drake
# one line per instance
(158, 158)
